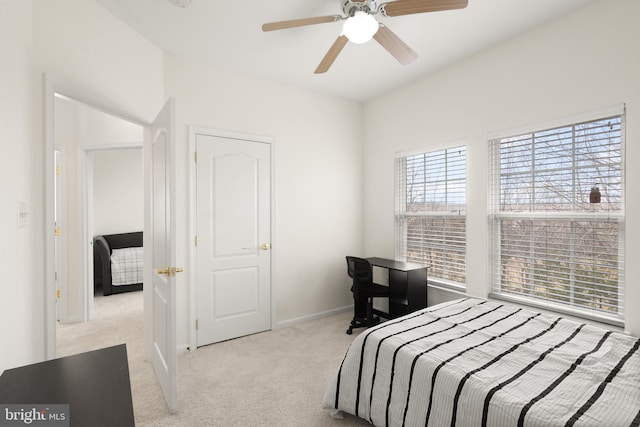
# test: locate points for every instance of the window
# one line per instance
(549, 243)
(430, 215)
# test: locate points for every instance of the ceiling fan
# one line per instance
(361, 25)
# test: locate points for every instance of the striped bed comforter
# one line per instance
(473, 362)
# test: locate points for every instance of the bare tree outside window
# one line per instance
(431, 212)
(549, 243)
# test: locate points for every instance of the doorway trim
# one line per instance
(51, 86)
(193, 293)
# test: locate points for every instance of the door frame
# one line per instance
(60, 247)
(51, 86)
(193, 292)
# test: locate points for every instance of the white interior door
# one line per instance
(163, 290)
(233, 211)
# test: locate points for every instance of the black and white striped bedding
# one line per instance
(473, 362)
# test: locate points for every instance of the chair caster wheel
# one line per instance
(349, 331)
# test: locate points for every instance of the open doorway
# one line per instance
(99, 170)
(159, 266)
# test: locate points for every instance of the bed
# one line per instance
(118, 261)
(473, 362)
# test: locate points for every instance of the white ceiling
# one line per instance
(228, 33)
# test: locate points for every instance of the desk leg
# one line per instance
(398, 303)
(407, 291)
(360, 307)
(417, 289)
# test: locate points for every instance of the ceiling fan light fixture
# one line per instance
(360, 28)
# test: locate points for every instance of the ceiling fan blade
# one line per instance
(409, 7)
(332, 54)
(396, 47)
(281, 25)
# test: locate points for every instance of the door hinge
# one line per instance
(58, 294)
(197, 324)
(57, 232)
(57, 169)
(195, 157)
(196, 241)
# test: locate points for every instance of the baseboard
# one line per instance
(451, 294)
(73, 319)
(298, 320)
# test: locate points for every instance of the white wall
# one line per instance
(77, 41)
(583, 62)
(20, 253)
(118, 191)
(117, 172)
(318, 188)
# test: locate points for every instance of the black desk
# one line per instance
(95, 385)
(407, 285)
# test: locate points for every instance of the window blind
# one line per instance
(549, 243)
(431, 212)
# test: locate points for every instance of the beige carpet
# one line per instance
(274, 378)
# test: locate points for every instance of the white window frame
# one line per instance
(402, 216)
(497, 215)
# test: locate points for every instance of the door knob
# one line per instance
(169, 271)
(264, 246)
(164, 271)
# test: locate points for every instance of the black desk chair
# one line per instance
(364, 290)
